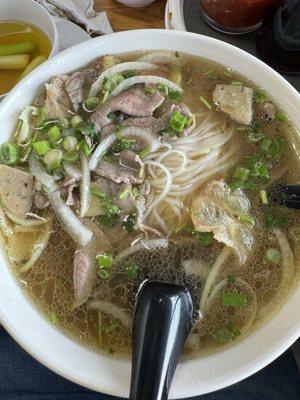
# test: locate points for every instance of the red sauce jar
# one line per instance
(236, 16)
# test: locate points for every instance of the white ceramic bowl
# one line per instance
(136, 3)
(33, 13)
(108, 375)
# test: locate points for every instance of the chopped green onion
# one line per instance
(103, 98)
(112, 326)
(240, 185)
(105, 260)
(53, 159)
(76, 120)
(164, 89)
(141, 172)
(104, 263)
(129, 223)
(264, 197)
(176, 54)
(109, 220)
(280, 116)
(92, 103)
(191, 120)
(241, 174)
(53, 317)
(109, 84)
(9, 154)
(203, 238)
(100, 333)
(259, 96)
(128, 74)
(125, 193)
(204, 102)
(226, 333)
(231, 279)
(149, 90)
(42, 147)
(175, 95)
(144, 152)
(237, 300)
(98, 193)
(131, 270)
(255, 137)
(237, 83)
(274, 256)
(259, 169)
(64, 122)
(70, 143)
(278, 221)
(177, 123)
(112, 116)
(70, 157)
(134, 192)
(54, 135)
(247, 219)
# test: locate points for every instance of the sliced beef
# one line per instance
(58, 103)
(134, 102)
(151, 123)
(236, 101)
(16, 190)
(131, 160)
(84, 272)
(77, 86)
(118, 173)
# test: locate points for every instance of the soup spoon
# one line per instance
(162, 320)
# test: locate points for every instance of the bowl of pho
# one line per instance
(150, 155)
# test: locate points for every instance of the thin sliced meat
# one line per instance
(77, 86)
(57, 103)
(131, 160)
(217, 209)
(154, 124)
(117, 173)
(134, 102)
(16, 190)
(84, 273)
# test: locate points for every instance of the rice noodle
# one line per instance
(84, 186)
(189, 161)
(150, 244)
(40, 246)
(111, 309)
(215, 268)
(147, 79)
(146, 135)
(116, 69)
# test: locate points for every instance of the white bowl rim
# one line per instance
(265, 346)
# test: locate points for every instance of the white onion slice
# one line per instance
(150, 244)
(85, 186)
(111, 309)
(116, 69)
(149, 80)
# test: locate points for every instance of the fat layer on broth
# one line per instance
(161, 168)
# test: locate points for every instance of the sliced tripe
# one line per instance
(236, 101)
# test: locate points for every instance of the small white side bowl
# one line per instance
(33, 13)
(136, 3)
(99, 372)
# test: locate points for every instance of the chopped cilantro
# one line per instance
(231, 299)
(226, 333)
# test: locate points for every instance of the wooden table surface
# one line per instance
(123, 18)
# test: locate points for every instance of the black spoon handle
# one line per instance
(163, 319)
